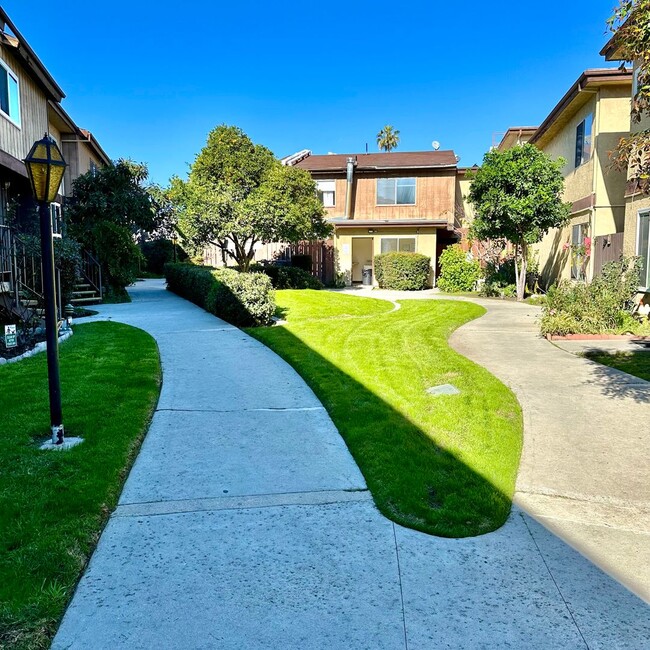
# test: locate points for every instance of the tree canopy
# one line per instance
(517, 197)
(108, 207)
(238, 195)
(388, 138)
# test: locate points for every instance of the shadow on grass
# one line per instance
(414, 481)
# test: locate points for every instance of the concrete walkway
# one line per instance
(245, 523)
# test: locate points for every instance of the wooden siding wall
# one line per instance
(435, 197)
(17, 141)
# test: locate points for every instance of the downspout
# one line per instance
(351, 162)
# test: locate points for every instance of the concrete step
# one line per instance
(86, 301)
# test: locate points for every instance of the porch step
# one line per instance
(89, 300)
(84, 294)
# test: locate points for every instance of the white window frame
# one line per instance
(322, 193)
(10, 73)
(394, 178)
(399, 238)
(56, 216)
(640, 215)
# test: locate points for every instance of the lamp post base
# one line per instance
(57, 434)
(67, 444)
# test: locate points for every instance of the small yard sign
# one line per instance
(10, 336)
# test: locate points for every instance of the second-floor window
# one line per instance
(327, 193)
(396, 191)
(9, 94)
(584, 140)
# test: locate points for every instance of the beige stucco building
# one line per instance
(637, 205)
(583, 128)
(383, 202)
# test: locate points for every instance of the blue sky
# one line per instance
(150, 79)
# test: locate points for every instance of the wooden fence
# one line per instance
(322, 258)
(606, 248)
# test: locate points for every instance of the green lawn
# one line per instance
(444, 465)
(53, 505)
(634, 363)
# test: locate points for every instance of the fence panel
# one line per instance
(606, 248)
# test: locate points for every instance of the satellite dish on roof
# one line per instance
(436, 145)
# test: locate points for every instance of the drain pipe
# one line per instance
(351, 162)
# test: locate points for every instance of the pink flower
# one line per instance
(566, 246)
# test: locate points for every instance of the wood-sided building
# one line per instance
(383, 202)
(30, 106)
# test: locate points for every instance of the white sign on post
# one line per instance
(11, 338)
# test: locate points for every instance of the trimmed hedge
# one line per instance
(457, 271)
(290, 277)
(243, 299)
(403, 271)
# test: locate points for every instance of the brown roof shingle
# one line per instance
(371, 161)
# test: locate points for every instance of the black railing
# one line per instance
(91, 271)
(21, 282)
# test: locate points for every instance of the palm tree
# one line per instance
(388, 138)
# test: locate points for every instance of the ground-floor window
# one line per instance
(643, 247)
(395, 244)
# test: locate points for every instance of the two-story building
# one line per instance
(30, 106)
(583, 128)
(383, 202)
(637, 204)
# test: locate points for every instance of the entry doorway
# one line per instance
(362, 249)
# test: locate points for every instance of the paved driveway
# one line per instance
(245, 523)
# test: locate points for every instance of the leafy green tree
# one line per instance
(108, 207)
(238, 195)
(630, 23)
(517, 197)
(388, 138)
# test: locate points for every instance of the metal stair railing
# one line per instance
(91, 271)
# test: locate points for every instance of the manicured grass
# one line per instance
(53, 505)
(634, 363)
(444, 465)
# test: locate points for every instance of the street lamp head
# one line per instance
(45, 167)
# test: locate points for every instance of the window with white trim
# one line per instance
(327, 193)
(397, 244)
(643, 247)
(584, 140)
(9, 94)
(57, 220)
(396, 191)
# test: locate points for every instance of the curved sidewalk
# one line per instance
(246, 523)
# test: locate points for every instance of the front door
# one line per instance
(362, 248)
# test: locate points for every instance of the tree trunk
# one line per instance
(521, 269)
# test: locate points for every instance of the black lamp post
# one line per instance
(45, 167)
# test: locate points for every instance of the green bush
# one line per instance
(403, 271)
(289, 277)
(500, 277)
(458, 271)
(243, 299)
(158, 252)
(602, 307)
